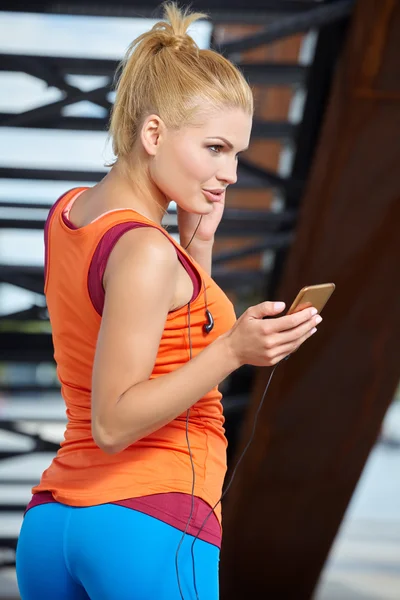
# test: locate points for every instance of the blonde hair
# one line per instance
(164, 72)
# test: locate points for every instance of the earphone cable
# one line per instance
(193, 475)
(232, 476)
(205, 296)
(192, 463)
(195, 231)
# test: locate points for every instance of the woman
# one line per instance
(142, 338)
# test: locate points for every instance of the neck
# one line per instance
(131, 185)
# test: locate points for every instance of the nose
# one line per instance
(228, 174)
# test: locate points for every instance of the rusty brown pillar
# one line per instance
(325, 405)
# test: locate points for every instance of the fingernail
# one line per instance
(318, 320)
(279, 305)
(314, 311)
(313, 330)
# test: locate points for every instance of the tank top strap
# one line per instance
(107, 220)
(100, 236)
(54, 213)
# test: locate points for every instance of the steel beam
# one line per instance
(267, 218)
(270, 241)
(269, 130)
(249, 176)
(325, 407)
(257, 73)
(35, 313)
(236, 11)
(228, 227)
(47, 71)
(290, 25)
(318, 85)
(274, 74)
(64, 65)
(29, 117)
(27, 278)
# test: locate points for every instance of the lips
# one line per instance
(214, 195)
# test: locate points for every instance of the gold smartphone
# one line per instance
(312, 295)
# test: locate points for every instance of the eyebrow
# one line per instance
(227, 142)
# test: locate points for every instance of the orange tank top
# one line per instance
(81, 474)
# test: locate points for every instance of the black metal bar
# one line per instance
(33, 65)
(11, 508)
(30, 224)
(48, 72)
(27, 278)
(12, 454)
(53, 109)
(66, 65)
(7, 542)
(228, 227)
(41, 444)
(261, 129)
(51, 174)
(271, 241)
(63, 123)
(270, 178)
(248, 176)
(20, 388)
(35, 313)
(231, 280)
(233, 215)
(220, 10)
(274, 73)
(273, 130)
(10, 481)
(27, 270)
(15, 204)
(12, 424)
(246, 216)
(258, 73)
(290, 25)
(234, 219)
(24, 347)
(329, 44)
(6, 562)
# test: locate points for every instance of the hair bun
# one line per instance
(183, 42)
(165, 37)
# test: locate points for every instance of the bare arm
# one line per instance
(140, 283)
(126, 405)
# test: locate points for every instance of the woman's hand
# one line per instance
(187, 223)
(265, 342)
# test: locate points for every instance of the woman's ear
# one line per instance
(151, 134)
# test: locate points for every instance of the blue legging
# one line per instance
(109, 552)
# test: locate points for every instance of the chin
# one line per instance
(206, 209)
(207, 206)
(199, 208)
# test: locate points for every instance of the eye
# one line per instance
(216, 148)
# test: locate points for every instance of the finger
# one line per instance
(285, 349)
(265, 309)
(292, 335)
(294, 320)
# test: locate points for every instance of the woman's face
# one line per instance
(194, 165)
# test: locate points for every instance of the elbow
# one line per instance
(108, 447)
(106, 440)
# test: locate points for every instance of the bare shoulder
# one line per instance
(146, 249)
(139, 282)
